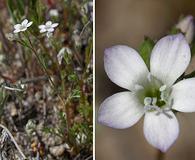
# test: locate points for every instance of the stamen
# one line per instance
(154, 100)
(147, 108)
(159, 99)
(163, 93)
(162, 96)
(162, 88)
(149, 77)
(157, 108)
(150, 105)
(150, 108)
(147, 101)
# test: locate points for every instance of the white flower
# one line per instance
(22, 27)
(81, 138)
(151, 93)
(186, 25)
(54, 13)
(64, 50)
(48, 27)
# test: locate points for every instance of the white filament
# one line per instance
(162, 88)
(150, 105)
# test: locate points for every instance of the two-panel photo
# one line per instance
(97, 80)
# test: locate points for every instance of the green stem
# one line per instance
(43, 46)
(51, 81)
(160, 155)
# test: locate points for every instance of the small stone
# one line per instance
(57, 151)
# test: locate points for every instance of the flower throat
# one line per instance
(154, 96)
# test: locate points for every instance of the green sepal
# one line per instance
(192, 47)
(174, 30)
(145, 50)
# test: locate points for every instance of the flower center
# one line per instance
(22, 27)
(154, 95)
(48, 27)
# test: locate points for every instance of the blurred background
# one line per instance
(127, 22)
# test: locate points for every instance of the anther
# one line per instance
(147, 101)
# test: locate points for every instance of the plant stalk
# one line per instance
(52, 83)
(160, 155)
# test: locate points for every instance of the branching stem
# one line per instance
(51, 82)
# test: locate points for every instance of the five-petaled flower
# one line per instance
(48, 27)
(22, 27)
(154, 93)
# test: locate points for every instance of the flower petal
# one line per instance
(17, 26)
(125, 67)
(170, 58)
(41, 26)
(121, 110)
(50, 29)
(16, 30)
(24, 22)
(43, 30)
(23, 29)
(54, 25)
(48, 23)
(183, 95)
(29, 24)
(160, 130)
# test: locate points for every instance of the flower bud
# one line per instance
(10, 36)
(30, 127)
(62, 52)
(186, 25)
(53, 13)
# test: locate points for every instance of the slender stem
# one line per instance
(160, 155)
(65, 103)
(50, 80)
(84, 28)
(40, 62)
(34, 79)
